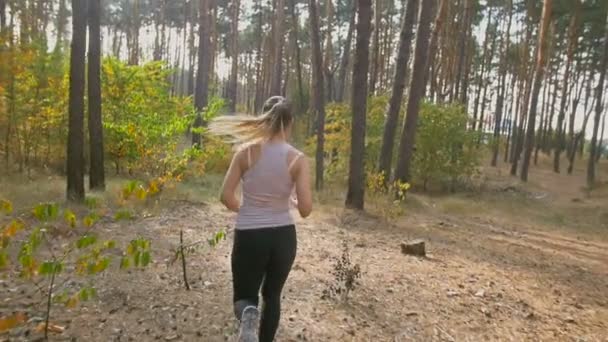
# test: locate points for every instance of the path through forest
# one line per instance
(487, 277)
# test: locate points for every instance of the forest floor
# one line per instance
(506, 262)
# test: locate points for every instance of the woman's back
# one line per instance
(267, 185)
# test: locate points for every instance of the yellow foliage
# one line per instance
(8, 323)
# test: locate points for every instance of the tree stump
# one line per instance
(415, 247)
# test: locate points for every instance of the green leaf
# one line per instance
(109, 244)
(123, 215)
(50, 267)
(83, 294)
(86, 241)
(6, 207)
(137, 259)
(124, 263)
(90, 219)
(70, 217)
(3, 259)
(145, 258)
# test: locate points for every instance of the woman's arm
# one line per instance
(303, 190)
(231, 181)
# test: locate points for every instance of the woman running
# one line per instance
(264, 249)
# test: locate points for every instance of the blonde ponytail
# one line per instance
(243, 129)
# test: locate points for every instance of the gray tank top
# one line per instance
(266, 189)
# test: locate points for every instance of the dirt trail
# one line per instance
(482, 281)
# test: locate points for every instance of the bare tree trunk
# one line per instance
(573, 35)
(527, 76)
(232, 85)
(328, 58)
(96, 172)
(277, 74)
(501, 88)
(439, 20)
(373, 77)
(356, 176)
(401, 71)
(416, 91)
(317, 90)
(462, 47)
(298, 59)
(202, 74)
(481, 79)
(598, 111)
(75, 146)
(575, 103)
(341, 86)
(538, 76)
(598, 154)
(3, 24)
(259, 78)
(512, 117)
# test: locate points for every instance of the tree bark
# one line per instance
(526, 77)
(394, 106)
(462, 44)
(598, 110)
(373, 77)
(439, 20)
(202, 74)
(232, 86)
(277, 73)
(298, 59)
(416, 91)
(561, 134)
(96, 172)
(538, 76)
(341, 86)
(501, 88)
(317, 90)
(3, 15)
(75, 146)
(356, 176)
(600, 142)
(481, 80)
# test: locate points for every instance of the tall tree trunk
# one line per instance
(394, 106)
(373, 77)
(277, 73)
(298, 59)
(341, 86)
(512, 117)
(2, 15)
(328, 58)
(600, 142)
(259, 76)
(232, 86)
(356, 176)
(481, 79)
(573, 38)
(96, 172)
(317, 90)
(575, 103)
(135, 25)
(62, 19)
(442, 11)
(75, 146)
(202, 74)
(501, 87)
(526, 77)
(416, 91)
(462, 48)
(538, 76)
(598, 111)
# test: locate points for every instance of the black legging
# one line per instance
(262, 256)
